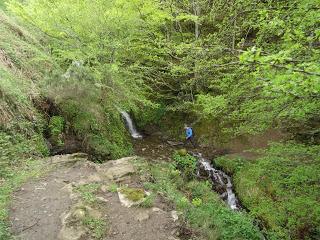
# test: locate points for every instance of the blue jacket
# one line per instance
(189, 132)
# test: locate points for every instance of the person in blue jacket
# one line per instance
(189, 135)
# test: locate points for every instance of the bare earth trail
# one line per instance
(53, 207)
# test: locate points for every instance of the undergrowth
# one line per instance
(202, 209)
(281, 188)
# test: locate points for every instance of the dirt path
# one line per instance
(77, 199)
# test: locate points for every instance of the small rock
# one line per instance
(157, 210)
(104, 188)
(102, 199)
(142, 216)
(127, 202)
(71, 233)
(172, 238)
(79, 214)
(93, 213)
(174, 215)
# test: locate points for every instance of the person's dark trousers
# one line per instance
(191, 140)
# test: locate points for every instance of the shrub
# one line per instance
(186, 164)
(56, 126)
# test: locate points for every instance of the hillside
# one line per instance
(243, 76)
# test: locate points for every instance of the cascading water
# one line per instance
(133, 131)
(221, 182)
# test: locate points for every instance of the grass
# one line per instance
(281, 189)
(96, 226)
(87, 192)
(113, 188)
(202, 209)
(149, 201)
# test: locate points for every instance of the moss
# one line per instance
(182, 152)
(103, 131)
(133, 194)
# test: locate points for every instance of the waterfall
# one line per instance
(130, 125)
(221, 182)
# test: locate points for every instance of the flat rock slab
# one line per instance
(117, 169)
(137, 223)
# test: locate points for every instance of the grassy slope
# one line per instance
(22, 65)
(202, 210)
(24, 68)
(281, 188)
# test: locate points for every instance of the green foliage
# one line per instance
(16, 149)
(281, 189)
(101, 127)
(149, 201)
(232, 164)
(98, 227)
(56, 127)
(113, 188)
(186, 164)
(202, 208)
(251, 68)
(88, 192)
(197, 202)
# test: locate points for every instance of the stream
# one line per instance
(221, 182)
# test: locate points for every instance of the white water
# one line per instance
(133, 131)
(220, 178)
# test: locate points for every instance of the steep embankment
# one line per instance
(22, 65)
(37, 102)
